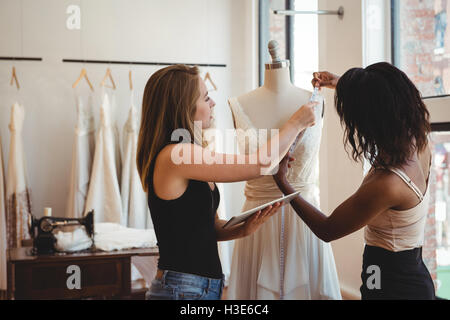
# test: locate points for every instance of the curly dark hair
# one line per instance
(383, 113)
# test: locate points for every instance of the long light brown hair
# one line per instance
(169, 103)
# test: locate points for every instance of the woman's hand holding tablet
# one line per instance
(247, 214)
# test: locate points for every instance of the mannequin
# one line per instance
(277, 97)
(283, 259)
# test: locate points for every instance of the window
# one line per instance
(421, 48)
(441, 206)
(296, 35)
(305, 41)
(421, 43)
(436, 249)
(274, 27)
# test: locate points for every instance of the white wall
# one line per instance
(340, 48)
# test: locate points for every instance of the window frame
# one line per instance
(395, 27)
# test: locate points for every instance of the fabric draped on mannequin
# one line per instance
(82, 157)
(104, 192)
(283, 259)
(18, 197)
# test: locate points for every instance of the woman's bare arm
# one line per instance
(187, 161)
(371, 199)
(246, 228)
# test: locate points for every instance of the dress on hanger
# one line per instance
(134, 199)
(18, 206)
(104, 194)
(82, 157)
(3, 280)
(116, 136)
(283, 259)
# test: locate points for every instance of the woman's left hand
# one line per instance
(280, 176)
(257, 219)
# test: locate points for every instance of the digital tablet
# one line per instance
(247, 214)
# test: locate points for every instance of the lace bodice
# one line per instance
(304, 170)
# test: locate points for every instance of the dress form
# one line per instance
(283, 259)
(271, 105)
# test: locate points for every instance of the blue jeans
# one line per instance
(184, 286)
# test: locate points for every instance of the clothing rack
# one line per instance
(339, 12)
(145, 63)
(21, 58)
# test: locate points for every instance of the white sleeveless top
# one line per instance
(398, 230)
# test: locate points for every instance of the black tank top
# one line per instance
(184, 229)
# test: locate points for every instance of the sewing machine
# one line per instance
(41, 230)
(45, 273)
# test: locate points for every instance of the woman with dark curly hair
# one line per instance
(387, 123)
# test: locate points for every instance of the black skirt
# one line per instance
(399, 275)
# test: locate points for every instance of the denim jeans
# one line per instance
(184, 286)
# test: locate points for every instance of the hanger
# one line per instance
(208, 78)
(14, 78)
(108, 75)
(83, 74)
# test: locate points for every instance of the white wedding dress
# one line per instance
(134, 200)
(18, 197)
(104, 192)
(117, 144)
(283, 259)
(82, 157)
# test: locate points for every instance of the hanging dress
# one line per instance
(134, 199)
(104, 194)
(18, 206)
(82, 157)
(3, 280)
(283, 259)
(116, 137)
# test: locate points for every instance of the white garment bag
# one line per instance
(3, 281)
(134, 199)
(18, 206)
(104, 193)
(82, 157)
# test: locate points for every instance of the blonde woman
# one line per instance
(183, 197)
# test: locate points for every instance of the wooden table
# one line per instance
(101, 274)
